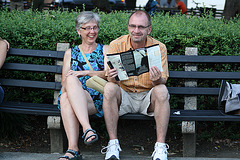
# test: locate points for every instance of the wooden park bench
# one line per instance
(182, 82)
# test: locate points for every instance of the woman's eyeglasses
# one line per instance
(90, 28)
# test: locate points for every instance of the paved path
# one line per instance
(86, 156)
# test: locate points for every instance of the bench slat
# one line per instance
(203, 59)
(36, 53)
(30, 84)
(172, 74)
(30, 108)
(171, 58)
(33, 67)
(193, 91)
(57, 86)
(190, 115)
(204, 75)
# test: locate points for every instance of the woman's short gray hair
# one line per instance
(85, 17)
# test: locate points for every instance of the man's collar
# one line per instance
(131, 47)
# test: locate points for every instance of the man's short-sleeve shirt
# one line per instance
(139, 83)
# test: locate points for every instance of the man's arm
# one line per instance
(111, 73)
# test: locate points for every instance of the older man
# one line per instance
(145, 94)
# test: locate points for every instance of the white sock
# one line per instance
(160, 144)
(113, 141)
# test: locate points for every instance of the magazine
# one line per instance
(135, 62)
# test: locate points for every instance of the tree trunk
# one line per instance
(130, 4)
(102, 5)
(231, 9)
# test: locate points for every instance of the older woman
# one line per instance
(77, 101)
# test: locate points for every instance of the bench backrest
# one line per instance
(177, 74)
(32, 68)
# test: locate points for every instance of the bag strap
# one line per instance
(230, 85)
(84, 56)
(221, 104)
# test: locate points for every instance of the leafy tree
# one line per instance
(231, 9)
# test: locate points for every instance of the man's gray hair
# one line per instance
(85, 17)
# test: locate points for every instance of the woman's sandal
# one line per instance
(76, 155)
(92, 135)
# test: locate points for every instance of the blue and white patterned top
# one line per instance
(78, 63)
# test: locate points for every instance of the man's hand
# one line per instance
(155, 74)
(112, 73)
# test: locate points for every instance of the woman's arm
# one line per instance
(66, 64)
(88, 73)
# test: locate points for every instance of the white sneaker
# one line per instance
(113, 150)
(160, 151)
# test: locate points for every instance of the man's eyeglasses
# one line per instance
(132, 26)
(90, 28)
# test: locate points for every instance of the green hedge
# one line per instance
(36, 30)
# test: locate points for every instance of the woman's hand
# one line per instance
(77, 73)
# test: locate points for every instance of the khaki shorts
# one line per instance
(133, 102)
